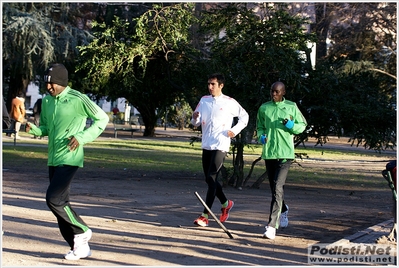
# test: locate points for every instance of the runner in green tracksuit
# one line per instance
(278, 121)
(63, 119)
(63, 116)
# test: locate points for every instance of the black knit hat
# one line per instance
(57, 74)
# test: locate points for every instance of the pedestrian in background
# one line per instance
(18, 113)
(63, 120)
(215, 114)
(115, 111)
(6, 117)
(278, 120)
(37, 109)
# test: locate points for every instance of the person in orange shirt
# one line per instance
(18, 112)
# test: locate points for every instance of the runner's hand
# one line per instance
(73, 143)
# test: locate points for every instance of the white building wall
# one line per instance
(33, 94)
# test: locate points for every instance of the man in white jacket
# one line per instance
(215, 114)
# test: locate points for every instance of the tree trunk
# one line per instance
(149, 119)
(149, 130)
(259, 180)
(17, 84)
(239, 164)
(233, 177)
(237, 178)
(251, 170)
(225, 176)
(321, 28)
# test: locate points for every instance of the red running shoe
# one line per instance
(201, 221)
(225, 211)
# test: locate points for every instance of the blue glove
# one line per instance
(263, 139)
(288, 123)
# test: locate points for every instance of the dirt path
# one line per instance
(146, 220)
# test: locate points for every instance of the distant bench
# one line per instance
(132, 126)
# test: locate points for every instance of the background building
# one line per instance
(33, 94)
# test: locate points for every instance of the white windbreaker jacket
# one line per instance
(216, 118)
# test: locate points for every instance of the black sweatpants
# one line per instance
(212, 161)
(57, 199)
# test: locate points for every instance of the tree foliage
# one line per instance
(354, 78)
(353, 85)
(348, 100)
(35, 35)
(154, 55)
(140, 60)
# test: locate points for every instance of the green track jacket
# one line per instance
(64, 116)
(280, 140)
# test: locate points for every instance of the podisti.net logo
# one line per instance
(351, 253)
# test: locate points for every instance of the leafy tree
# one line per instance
(352, 102)
(357, 30)
(37, 34)
(179, 114)
(357, 74)
(140, 60)
(354, 80)
(367, 111)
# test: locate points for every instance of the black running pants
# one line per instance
(57, 199)
(212, 161)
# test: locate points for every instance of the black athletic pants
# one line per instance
(212, 161)
(57, 199)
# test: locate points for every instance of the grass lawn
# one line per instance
(180, 156)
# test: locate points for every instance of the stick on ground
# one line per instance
(213, 215)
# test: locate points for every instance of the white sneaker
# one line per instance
(284, 218)
(81, 252)
(270, 232)
(82, 239)
(81, 248)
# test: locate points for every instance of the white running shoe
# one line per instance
(81, 248)
(82, 239)
(270, 232)
(284, 218)
(78, 253)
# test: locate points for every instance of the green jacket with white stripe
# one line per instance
(280, 140)
(63, 116)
